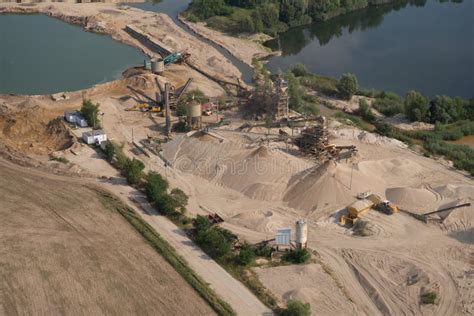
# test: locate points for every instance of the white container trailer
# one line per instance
(94, 137)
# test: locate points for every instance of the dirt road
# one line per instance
(231, 290)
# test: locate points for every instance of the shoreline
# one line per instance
(112, 19)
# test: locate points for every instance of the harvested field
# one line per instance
(63, 252)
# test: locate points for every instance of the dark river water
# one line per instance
(41, 55)
(428, 47)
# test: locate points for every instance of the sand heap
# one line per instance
(412, 198)
(31, 130)
(394, 168)
(258, 172)
(326, 186)
(263, 221)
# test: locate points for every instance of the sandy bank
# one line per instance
(244, 49)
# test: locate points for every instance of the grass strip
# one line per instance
(166, 251)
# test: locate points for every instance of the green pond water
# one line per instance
(41, 55)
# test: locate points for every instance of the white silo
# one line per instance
(301, 233)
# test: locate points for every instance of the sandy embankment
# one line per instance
(112, 19)
(244, 49)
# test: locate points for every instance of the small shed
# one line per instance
(75, 118)
(94, 137)
(283, 236)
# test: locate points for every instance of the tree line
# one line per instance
(273, 16)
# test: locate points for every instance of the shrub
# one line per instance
(264, 251)
(109, 151)
(180, 127)
(165, 203)
(180, 197)
(297, 256)
(296, 308)
(60, 159)
(325, 85)
(347, 86)
(181, 109)
(389, 104)
(246, 255)
(201, 223)
(299, 70)
(134, 170)
(363, 228)
(428, 297)
(214, 242)
(416, 106)
(365, 111)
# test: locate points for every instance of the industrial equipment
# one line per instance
(386, 207)
(176, 58)
(301, 234)
(355, 211)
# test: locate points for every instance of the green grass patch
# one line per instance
(60, 159)
(428, 297)
(167, 252)
(354, 120)
(323, 84)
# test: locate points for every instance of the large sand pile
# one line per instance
(328, 186)
(258, 172)
(412, 198)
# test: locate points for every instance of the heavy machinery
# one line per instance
(355, 211)
(365, 202)
(386, 207)
(176, 58)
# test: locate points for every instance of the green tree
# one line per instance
(201, 223)
(295, 91)
(90, 111)
(155, 185)
(180, 197)
(214, 242)
(205, 9)
(109, 151)
(269, 15)
(165, 203)
(347, 86)
(443, 109)
(243, 22)
(246, 255)
(299, 70)
(134, 171)
(416, 106)
(296, 308)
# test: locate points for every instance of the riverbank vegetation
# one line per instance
(270, 16)
(453, 118)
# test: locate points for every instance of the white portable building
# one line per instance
(94, 137)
